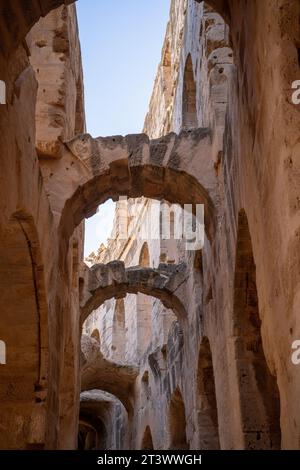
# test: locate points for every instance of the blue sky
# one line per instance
(121, 42)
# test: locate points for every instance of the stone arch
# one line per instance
(99, 373)
(189, 96)
(107, 415)
(259, 394)
(119, 331)
(207, 412)
(134, 166)
(147, 441)
(88, 435)
(177, 422)
(104, 281)
(24, 329)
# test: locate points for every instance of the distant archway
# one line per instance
(144, 258)
(189, 97)
(119, 331)
(259, 394)
(177, 422)
(107, 416)
(88, 435)
(100, 373)
(24, 329)
(147, 441)
(207, 412)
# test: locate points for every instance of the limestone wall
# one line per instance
(43, 78)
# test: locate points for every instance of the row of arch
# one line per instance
(259, 400)
(259, 395)
(206, 410)
(207, 415)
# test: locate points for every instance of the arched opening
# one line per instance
(123, 348)
(87, 436)
(118, 331)
(207, 412)
(189, 97)
(126, 176)
(177, 422)
(114, 280)
(23, 330)
(144, 258)
(105, 417)
(99, 373)
(144, 309)
(259, 394)
(147, 441)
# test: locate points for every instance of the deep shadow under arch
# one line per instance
(147, 441)
(206, 400)
(259, 394)
(177, 422)
(189, 96)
